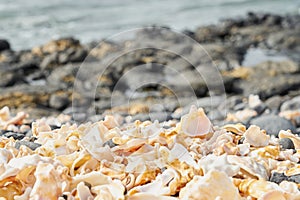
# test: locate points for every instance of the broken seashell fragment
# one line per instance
(212, 185)
(196, 123)
(255, 137)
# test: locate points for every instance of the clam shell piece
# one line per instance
(84, 192)
(219, 163)
(255, 137)
(181, 153)
(113, 191)
(257, 188)
(195, 123)
(48, 184)
(238, 129)
(212, 185)
(250, 166)
(165, 184)
(146, 196)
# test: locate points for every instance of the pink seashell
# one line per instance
(196, 123)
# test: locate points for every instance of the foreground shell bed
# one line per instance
(115, 160)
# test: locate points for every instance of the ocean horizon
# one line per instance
(35, 22)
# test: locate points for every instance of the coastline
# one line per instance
(42, 78)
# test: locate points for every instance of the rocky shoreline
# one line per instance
(41, 80)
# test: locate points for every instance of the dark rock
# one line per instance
(292, 104)
(260, 108)
(278, 177)
(240, 106)
(274, 102)
(16, 136)
(59, 101)
(268, 79)
(7, 78)
(294, 178)
(286, 143)
(49, 61)
(29, 144)
(273, 124)
(4, 45)
(297, 121)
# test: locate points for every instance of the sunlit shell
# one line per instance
(112, 191)
(238, 129)
(249, 167)
(218, 163)
(257, 188)
(146, 196)
(212, 185)
(164, 184)
(255, 137)
(84, 192)
(180, 152)
(48, 184)
(243, 149)
(196, 123)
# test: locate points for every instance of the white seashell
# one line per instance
(47, 184)
(164, 184)
(196, 123)
(181, 153)
(249, 165)
(146, 196)
(220, 163)
(243, 149)
(84, 192)
(214, 184)
(255, 137)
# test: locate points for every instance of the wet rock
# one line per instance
(49, 61)
(260, 108)
(7, 78)
(292, 104)
(267, 79)
(273, 124)
(274, 102)
(4, 45)
(33, 146)
(286, 143)
(72, 55)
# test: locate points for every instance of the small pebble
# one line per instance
(294, 178)
(29, 144)
(278, 177)
(16, 136)
(286, 143)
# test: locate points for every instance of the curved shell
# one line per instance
(196, 123)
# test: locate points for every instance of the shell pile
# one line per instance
(113, 160)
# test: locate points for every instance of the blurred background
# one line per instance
(33, 22)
